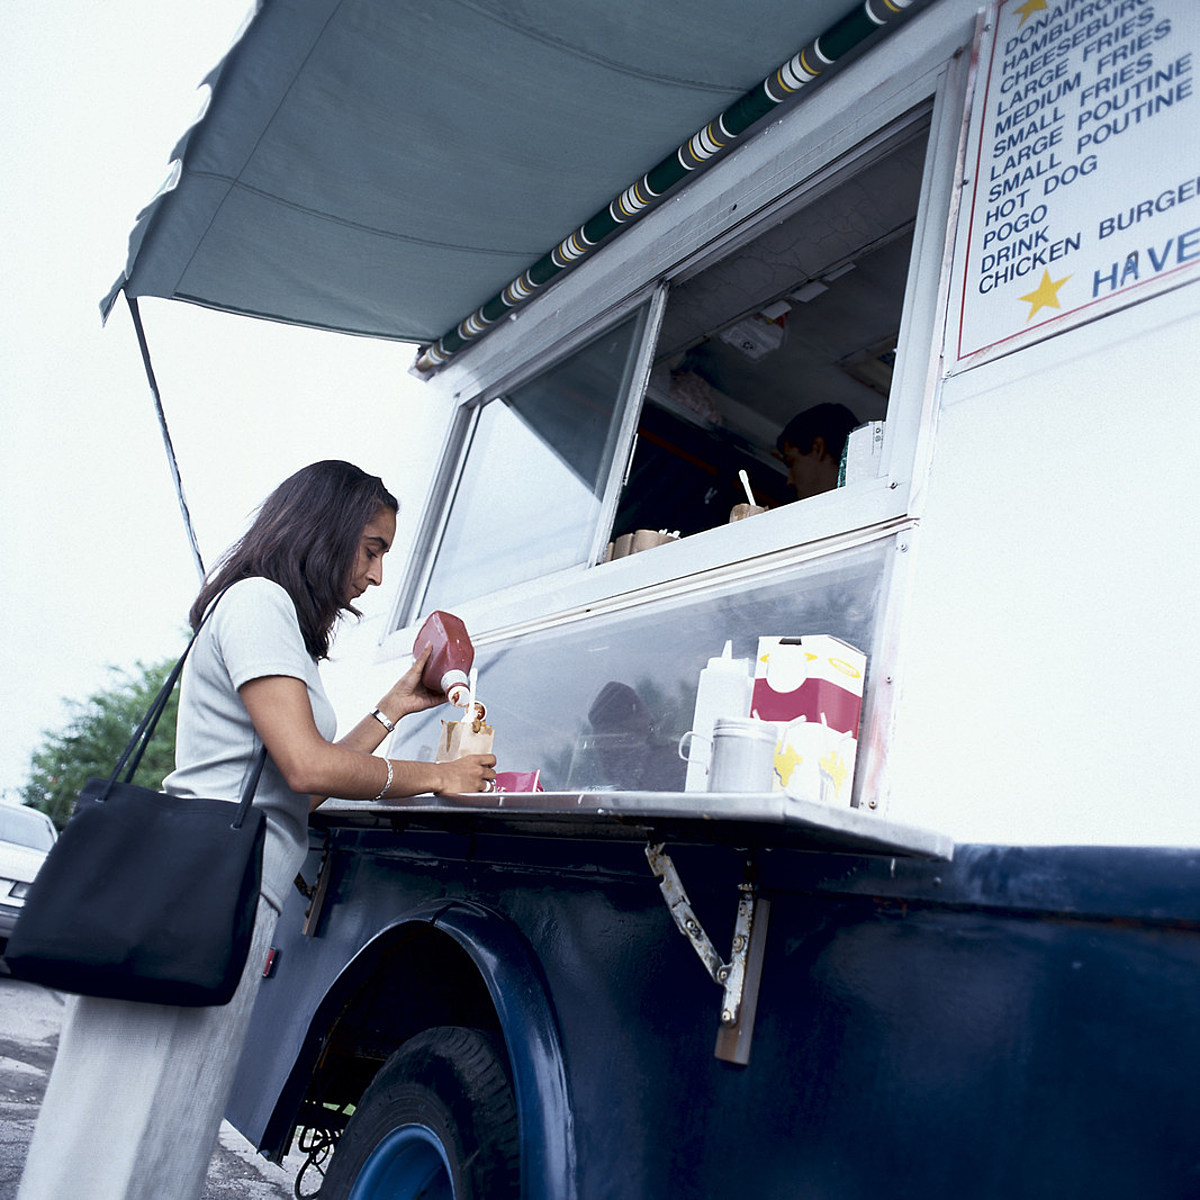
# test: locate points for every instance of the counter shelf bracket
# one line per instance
(317, 893)
(739, 977)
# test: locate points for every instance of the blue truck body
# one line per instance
(1011, 1022)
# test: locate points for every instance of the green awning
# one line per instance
(387, 168)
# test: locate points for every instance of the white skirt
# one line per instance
(136, 1097)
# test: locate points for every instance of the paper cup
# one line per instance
(740, 512)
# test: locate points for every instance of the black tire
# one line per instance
(439, 1120)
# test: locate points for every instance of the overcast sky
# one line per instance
(97, 571)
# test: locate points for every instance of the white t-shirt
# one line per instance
(252, 632)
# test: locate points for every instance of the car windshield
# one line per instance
(25, 827)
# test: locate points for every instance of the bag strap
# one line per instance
(251, 787)
(145, 731)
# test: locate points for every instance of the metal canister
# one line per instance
(743, 755)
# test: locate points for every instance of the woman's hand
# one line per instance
(282, 715)
(408, 694)
(471, 773)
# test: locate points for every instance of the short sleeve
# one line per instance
(256, 632)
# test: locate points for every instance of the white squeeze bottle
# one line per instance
(724, 690)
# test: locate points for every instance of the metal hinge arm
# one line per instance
(730, 975)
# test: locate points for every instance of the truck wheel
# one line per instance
(439, 1122)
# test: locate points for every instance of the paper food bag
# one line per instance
(463, 737)
(814, 681)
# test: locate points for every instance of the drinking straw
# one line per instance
(746, 484)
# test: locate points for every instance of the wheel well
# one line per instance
(417, 979)
(456, 963)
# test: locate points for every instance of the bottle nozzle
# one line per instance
(456, 685)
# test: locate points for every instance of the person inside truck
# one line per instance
(137, 1092)
(811, 445)
(633, 754)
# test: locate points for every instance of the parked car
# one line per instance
(26, 836)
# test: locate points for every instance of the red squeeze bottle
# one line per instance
(449, 664)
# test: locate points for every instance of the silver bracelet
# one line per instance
(390, 726)
(387, 785)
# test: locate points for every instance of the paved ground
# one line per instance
(29, 1022)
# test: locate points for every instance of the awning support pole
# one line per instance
(172, 462)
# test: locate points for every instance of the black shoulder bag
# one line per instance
(146, 896)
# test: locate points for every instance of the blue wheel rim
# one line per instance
(408, 1164)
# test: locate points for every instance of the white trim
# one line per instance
(626, 424)
(581, 593)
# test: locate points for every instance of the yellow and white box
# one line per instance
(813, 686)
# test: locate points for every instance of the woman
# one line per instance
(138, 1091)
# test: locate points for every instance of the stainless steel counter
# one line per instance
(741, 819)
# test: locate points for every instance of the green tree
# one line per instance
(97, 730)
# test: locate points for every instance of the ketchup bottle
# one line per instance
(449, 664)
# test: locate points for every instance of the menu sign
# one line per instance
(1085, 155)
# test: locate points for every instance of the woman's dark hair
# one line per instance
(305, 538)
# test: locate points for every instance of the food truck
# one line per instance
(629, 243)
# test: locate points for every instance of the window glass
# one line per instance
(601, 704)
(25, 828)
(531, 488)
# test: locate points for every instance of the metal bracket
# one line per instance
(740, 976)
(317, 893)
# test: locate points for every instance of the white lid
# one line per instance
(726, 662)
(453, 678)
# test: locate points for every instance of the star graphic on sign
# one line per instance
(1045, 295)
(1029, 8)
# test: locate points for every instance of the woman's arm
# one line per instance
(407, 695)
(282, 715)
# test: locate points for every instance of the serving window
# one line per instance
(807, 313)
(643, 435)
